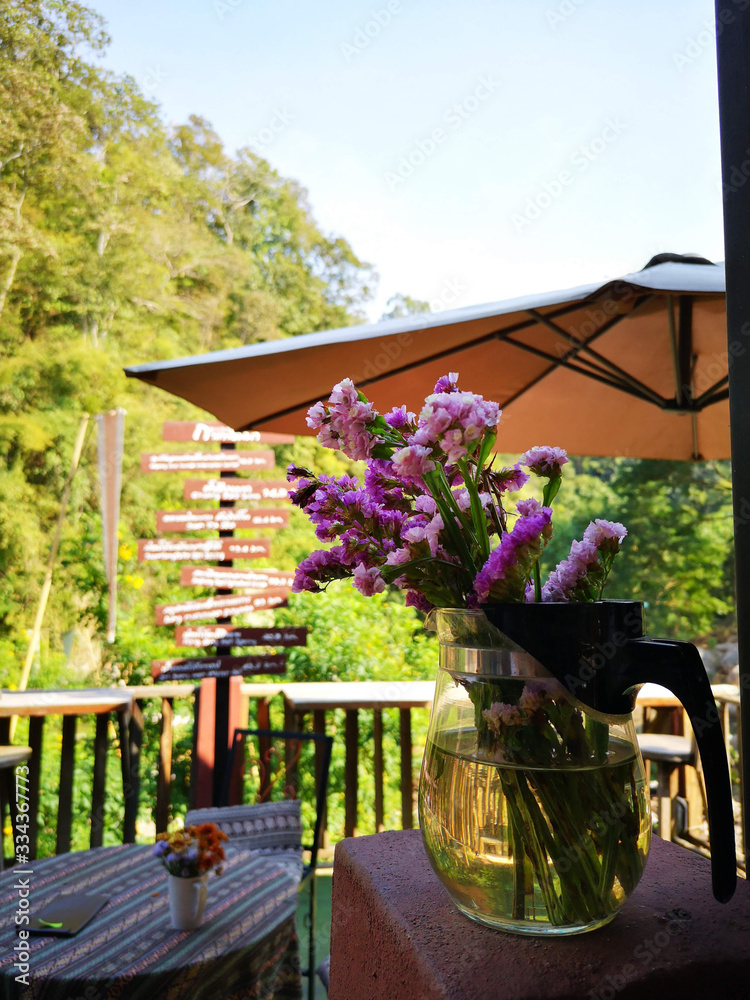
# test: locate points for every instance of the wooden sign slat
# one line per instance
(220, 606)
(224, 636)
(207, 461)
(236, 490)
(202, 549)
(218, 666)
(230, 578)
(221, 519)
(189, 430)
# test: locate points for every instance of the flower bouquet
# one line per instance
(533, 810)
(188, 856)
(193, 851)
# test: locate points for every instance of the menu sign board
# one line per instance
(228, 578)
(188, 430)
(224, 636)
(219, 666)
(206, 461)
(236, 490)
(202, 549)
(223, 519)
(220, 606)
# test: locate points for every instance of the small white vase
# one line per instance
(187, 900)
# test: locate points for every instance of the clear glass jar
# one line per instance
(534, 810)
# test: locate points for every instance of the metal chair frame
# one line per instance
(309, 870)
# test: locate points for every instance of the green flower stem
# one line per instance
(525, 828)
(477, 511)
(575, 883)
(519, 874)
(433, 480)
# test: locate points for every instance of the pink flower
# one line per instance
(315, 416)
(528, 507)
(455, 421)
(429, 532)
(500, 715)
(547, 462)
(413, 461)
(368, 581)
(583, 574)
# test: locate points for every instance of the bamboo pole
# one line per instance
(47, 584)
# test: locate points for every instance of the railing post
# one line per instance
(164, 772)
(100, 779)
(407, 788)
(377, 760)
(36, 734)
(351, 769)
(319, 727)
(65, 798)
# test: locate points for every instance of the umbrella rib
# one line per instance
(614, 368)
(715, 394)
(605, 379)
(570, 354)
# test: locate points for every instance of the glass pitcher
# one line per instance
(533, 803)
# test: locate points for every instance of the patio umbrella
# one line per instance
(634, 367)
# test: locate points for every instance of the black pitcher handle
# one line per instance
(678, 666)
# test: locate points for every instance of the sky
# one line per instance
(471, 151)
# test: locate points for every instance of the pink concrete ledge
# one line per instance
(396, 935)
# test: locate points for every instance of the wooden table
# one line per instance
(70, 703)
(246, 948)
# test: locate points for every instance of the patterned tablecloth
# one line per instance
(247, 947)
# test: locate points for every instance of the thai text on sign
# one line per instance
(207, 461)
(221, 606)
(230, 578)
(225, 636)
(218, 666)
(202, 549)
(236, 490)
(188, 430)
(223, 519)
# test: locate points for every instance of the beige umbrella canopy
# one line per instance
(635, 367)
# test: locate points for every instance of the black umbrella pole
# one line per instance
(733, 48)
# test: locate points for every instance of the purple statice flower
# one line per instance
(455, 422)
(368, 580)
(160, 849)
(399, 417)
(416, 600)
(447, 383)
(583, 574)
(412, 462)
(505, 574)
(321, 566)
(544, 461)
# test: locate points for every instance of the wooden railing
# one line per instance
(345, 709)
